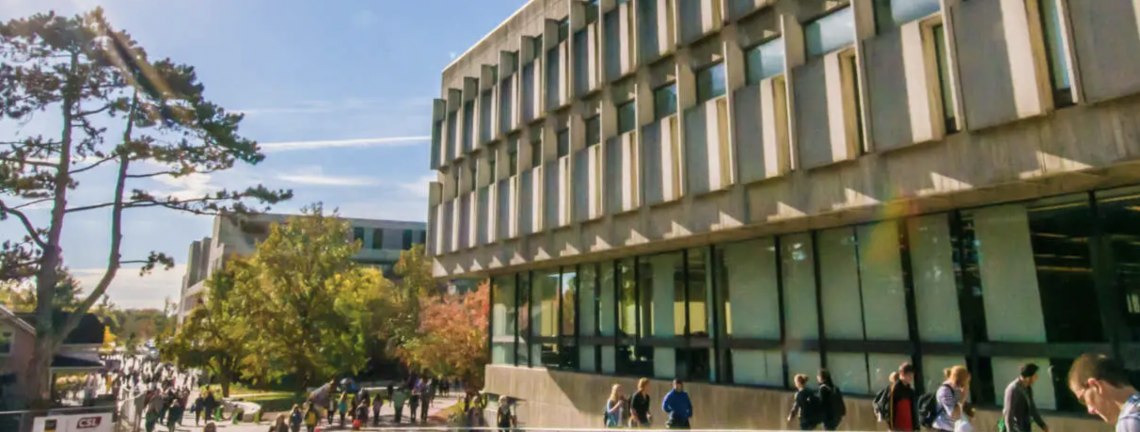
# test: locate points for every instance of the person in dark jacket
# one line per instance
(904, 408)
(831, 399)
(678, 406)
(639, 405)
(1019, 408)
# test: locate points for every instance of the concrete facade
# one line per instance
(232, 237)
(731, 230)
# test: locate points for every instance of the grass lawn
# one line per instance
(275, 402)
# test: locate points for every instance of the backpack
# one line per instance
(882, 404)
(929, 408)
(838, 408)
(504, 419)
(811, 411)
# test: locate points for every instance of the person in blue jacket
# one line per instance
(678, 406)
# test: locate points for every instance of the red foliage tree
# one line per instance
(451, 341)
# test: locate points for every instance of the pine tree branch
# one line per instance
(154, 174)
(88, 167)
(30, 203)
(32, 232)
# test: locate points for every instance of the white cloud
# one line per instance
(190, 186)
(325, 180)
(360, 142)
(131, 291)
(420, 186)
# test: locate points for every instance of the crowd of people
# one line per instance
(1098, 382)
(347, 404)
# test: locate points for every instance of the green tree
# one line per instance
(401, 305)
(315, 308)
(88, 75)
(215, 336)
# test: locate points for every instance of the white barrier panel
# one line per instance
(100, 422)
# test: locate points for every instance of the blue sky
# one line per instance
(338, 92)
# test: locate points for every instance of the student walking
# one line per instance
(398, 403)
(902, 412)
(295, 418)
(831, 399)
(1019, 407)
(414, 401)
(197, 409)
(505, 418)
(615, 408)
(678, 406)
(951, 399)
(427, 395)
(312, 417)
(639, 405)
(805, 404)
(174, 414)
(377, 403)
(342, 407)
(1102, 384)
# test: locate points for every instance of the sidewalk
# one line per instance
(386, 420)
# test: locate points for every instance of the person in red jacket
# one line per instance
(904, 407)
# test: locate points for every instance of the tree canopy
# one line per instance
(121, 113)
(451, 340)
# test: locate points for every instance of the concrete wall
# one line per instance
(839, 138)
(570, 399)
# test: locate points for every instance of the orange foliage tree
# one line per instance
(451, 341)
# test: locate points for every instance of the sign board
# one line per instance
(95, 422)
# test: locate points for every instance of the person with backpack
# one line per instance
(1019, 408)
(951, 397)
(342, 407)
(505, 418)
(805, 404)
(377, 403)
(615, 408)
(896, 404)
(398, 399)
(295, 418)
(678, 406)
(414, 401)
(831, 398)
(639, 405)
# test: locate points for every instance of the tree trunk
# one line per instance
(224, 377)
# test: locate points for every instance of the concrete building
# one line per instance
(381, 244)
(735, 191)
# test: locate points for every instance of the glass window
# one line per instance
(492, 163)
(591, 11)
(851, 69)
(593, 130)
(468, 123)
(536, 149)
(358, 235)
(893, 13)
(588, 303)
(933, 271)
(546, 288)
(710, 83)
(471, 175)
(764, 60)
(627, 117)
(1120, 221)
(1055, 48)
(503, 321)
(627, 298)
(407, 243)
(945, 86)
(664, 101)
(513, 156)
(568, 284)
(1060, 231)
(831, 32)
(536, 45)
(563, 29)
(422, 238)
(698, 294)
(377, 238)
(563, 137)
(522, 355)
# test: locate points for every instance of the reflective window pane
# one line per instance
(893, 13)
(1120, 221)
(831, 32)
(1055, 48)
(711, 82)
(945, 87)
(568, 287)
(627, 117)
(563, 138)
(665, 101)
(593, 130)
(764, 60)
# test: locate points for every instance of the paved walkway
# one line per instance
(386, 420)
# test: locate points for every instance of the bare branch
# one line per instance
(29, 162)
(32, 232)
(155, 174)
(90, 207)
(30, 203)
(97, 111)
(88, 167)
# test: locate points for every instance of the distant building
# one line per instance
(79, 352)
(381, 240)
